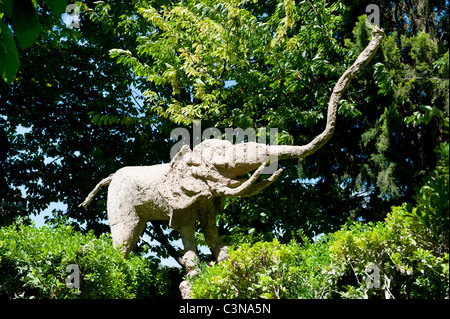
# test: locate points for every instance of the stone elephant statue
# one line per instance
(192, 186)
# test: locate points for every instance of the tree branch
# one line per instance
(162, 239)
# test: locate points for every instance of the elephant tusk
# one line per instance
(226, 191)
(255, 189)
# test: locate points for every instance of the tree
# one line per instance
(66, 86)
(24, 20)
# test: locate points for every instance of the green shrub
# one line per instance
(406, 269)
(409, 250)
(266, 270)
(33, 264)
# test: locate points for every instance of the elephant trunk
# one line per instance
(282, 152)
(287, 152)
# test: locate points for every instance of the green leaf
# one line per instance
(6, 7)
(9, 60)
(284, 138)
(25, 22)
(58, 7)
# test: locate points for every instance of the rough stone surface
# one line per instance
(192, 186)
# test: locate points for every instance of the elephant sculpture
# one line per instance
(193, 185)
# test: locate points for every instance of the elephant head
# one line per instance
(215, 168)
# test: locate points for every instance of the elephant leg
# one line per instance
(187, 232)
(126, 228)
(212, 238)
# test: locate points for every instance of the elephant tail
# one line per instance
(103, 182)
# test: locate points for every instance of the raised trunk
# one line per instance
(285, 152)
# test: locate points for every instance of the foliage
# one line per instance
(194, 48)
(432, 209)
(267, 270)
(405, 256)
(51, 149)
(410, 248)
(33, 264)
(24, 20)
(405, 265)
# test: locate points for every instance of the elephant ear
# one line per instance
(181, 186)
